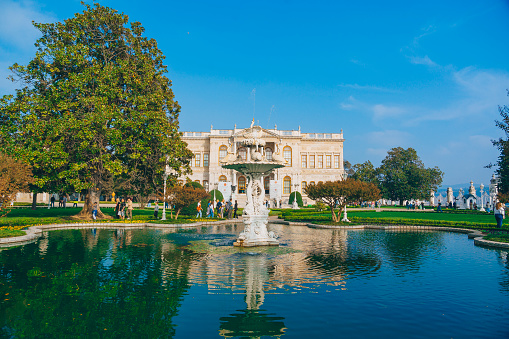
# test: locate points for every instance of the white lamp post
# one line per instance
(165, 177)
(482, 198)
(345, 217)
(295, 197)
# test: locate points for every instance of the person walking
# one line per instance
(198, 210)
(129, 208)
(218, 208)
(499, 214)
(156, 209)
(94, 211)
(210, 210)
(117, 209)
(235, 208)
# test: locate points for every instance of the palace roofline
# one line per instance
(274, 133)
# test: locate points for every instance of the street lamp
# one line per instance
(296, 185)
(165, 177)
(482, 198)
(345, 217)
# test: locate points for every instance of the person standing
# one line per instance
(198, 210)
(122, 209)
(52, 201)
(129, 208)
(94, 211)
(64, 200)
(218, 208)
(235, 208)
(211, 210)
(156, 209)
(499, 214)
(229, 209)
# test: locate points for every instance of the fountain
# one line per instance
(254, 167)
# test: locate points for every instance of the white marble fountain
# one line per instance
(254, 167)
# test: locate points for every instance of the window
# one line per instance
(304, 185)
(243, 153)
(197, 160)
(327, 161)
(198, 181)
(223, 151)
(304, 161)
(268, 154)
(287, 154)
(266, 184)
(336, 161)
(311, 161)
(320, 182)
(206, 184)
(206, 160)
(311, 183)
(222, 178)
(242, 184)
(320, 161)
(287, 185)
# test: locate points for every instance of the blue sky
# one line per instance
(428, 75)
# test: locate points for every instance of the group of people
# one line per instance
(124, 208)
(222, 209)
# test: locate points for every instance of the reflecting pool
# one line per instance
(151, 283)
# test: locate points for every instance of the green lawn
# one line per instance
(487, 218)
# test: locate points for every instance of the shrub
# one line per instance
(299, 198)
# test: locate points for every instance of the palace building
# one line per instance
(310, 158)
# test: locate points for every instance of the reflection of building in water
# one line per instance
(230, 272)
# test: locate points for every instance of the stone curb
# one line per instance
(472, 234)
(34, 232)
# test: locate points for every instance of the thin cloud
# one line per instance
(422, 61)
(16, 28)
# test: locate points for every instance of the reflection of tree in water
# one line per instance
(503, 259)
(407, 250)
(251, 324)
(99, 290)
(341, 257)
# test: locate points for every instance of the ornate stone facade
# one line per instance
(311, 158)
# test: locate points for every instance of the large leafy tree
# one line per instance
(503, 159)
(402, 176)
(337, 194)
(365, 172)
(96, 104)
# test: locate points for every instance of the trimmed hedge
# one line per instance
(299, 198)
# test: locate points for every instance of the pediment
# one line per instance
(262, 133)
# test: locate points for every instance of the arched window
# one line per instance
(243, 153)
(320, 182)
(266, 184)
(268, 154)
(223, 151)
(311, 182)
(242, 184)
(222, 178)
(287, 185)
(287, 154)
(304, 185)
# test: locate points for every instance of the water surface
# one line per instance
(319, 283)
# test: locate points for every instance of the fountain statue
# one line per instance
(254, 167)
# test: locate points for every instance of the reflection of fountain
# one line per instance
(253, 322)
(254, 167)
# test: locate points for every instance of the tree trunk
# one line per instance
(334, 218)
(177, 213)
(34, 200)
(91, 196)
